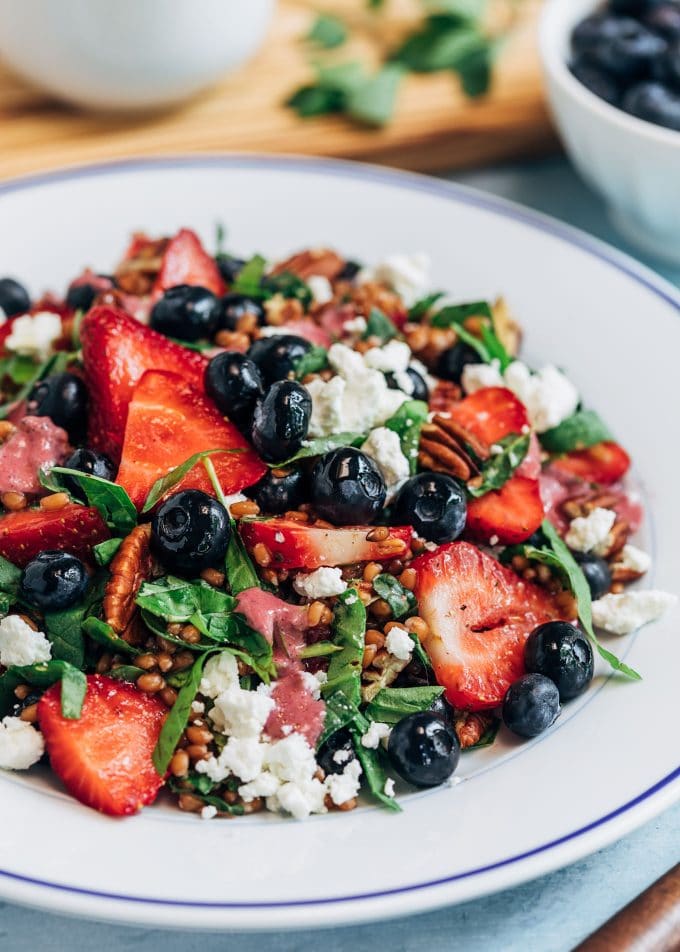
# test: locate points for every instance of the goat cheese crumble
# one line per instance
(375, 734)
(20, 645)
(34, 334)
(383, 446)
(21, 745)
(321, 288)
(634, 559)
(393, 357)
(626, 612)
(408, 275)
(399, 643)
(591, 533)
(321, 583)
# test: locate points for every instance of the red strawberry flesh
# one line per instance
(73, 528)
(186, 261)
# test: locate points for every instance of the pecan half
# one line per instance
(322, 261)
(132, 564)
(471, 727)
(444, 448)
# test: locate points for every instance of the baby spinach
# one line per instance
(176, 600)
(63, 628)
(103, 634)
(401, 601)
(312, 362)
(200, 787)
(105, 551)
(288, 285)
(498, 469)
(241, 573)
(407, 423)
(340, 712)
(44, 675)
(379, 325)
(424, 305)
(112, 501)
(392, 704)
(165, 483)
(321, 445)
(177, 718)
(349, 628)
(10, 576)
(454, 314)
(579, 431)
(248, 280)
(327, 31)
(319, 650)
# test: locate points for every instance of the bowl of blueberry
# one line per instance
(612, 72)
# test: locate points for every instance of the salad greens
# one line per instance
(321, 445)
(178, 718)
(44, 675)
(498, 469)
(349, 628)
(176, 475)
(112, 501)
(314, 360)
(379, 325)
(579, 431)
(407, 423)
(390, 705)
(401, 601)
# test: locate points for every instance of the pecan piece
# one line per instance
(132, 564)
(374, 294)
(471, 727)
(445, 448)
(281, 310)
(313, 261)
(137, 275)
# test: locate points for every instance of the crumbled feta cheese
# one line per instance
(478, 376)
(493, 541)
(264, 785)
(342, 756)
(20, 645)
(321, 583)
(208, 812)
(356, 326)
(399, 643)
(34, 334)
(496, 449)
(299, 799)
(21, 745)
(408, 275)
(421, 369)
(393, 357)
(384, 448)
(273, 330)
(321, 288)
(241, 714)
(198, 707)
(591, 533)
(220, 674)
(375, 733)
(351, 599)
(634, 559)
(388, 789)
(628, 611)
(344, 786)
(313, 682)
(404, 382)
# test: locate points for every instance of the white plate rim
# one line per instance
(416, 897)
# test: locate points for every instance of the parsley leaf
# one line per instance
(312, 362)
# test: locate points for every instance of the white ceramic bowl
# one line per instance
(129, 54)
(635, 165)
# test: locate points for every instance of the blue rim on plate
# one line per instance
(447, 191)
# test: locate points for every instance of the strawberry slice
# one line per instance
(479, 615)
(187, 262)
(104, 757)
(490, 414)
(293, 545)
(168, 421)
(509, 514)
(602, 463)
(117, 350)
(73, 528)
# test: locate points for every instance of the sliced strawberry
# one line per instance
(479, 614)
(117, 350)
(73, 528)
(509, 514)
(490, 414)
(603, 463)
(187, 262)
(293, 545)
(104, 757)
(168, 421)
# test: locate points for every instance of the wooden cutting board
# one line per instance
(435, 127)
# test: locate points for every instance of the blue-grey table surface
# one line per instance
(550, 914)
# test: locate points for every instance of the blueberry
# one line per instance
(235, 384)
(597, 81)
(666, 68)
(281, 421)
(562, 653)
(190, 531)
(187, 312)
(14, 297)
(597, 573)
(230, 267)
(62, 398)
(434, 504)
(53, 580)
(347, 487)
(415, 386)
(441, 708)
(423, 749)
(339, 744)
(633, 8)
(277, 356)
(452, 361)
(664, 18)
(349, 271)
(81, 296)
(91, 463)
(414, 675)
(593, 31)
(531, 705)
(280, 490)
(654, 103)
(232, 307)
(629, 55)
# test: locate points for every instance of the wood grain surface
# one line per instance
(436, 127)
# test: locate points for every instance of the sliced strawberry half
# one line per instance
(168, 421)
(117, 350)
(73, 528)
(602, 463)
(186, 261)
(293, 545)
(479, 614)
(508, 515)
(490, 414)
(104, 757)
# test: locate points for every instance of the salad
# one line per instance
(274, 532)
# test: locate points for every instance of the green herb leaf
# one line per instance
(248, 280)
(104, 551)
(475, 69)
(103, 634)
(327, 31)
(10, 576)
(289, 285)
(201, 786)
(176, 600)
(112, 501)
(379, 325)
(309, 101)
(498, 469)
(177, 719)
(340, 712)
(241, 573)
(322, 445)
(407, 423)
(349, 628)
(312, 362)
(64, 628)
(446, 42)
(176, 475)
(454, 314)
(392, 704)
(401, 601)
(373, 103)
(44, 675)
(495, 348)
(420, 654)
(19, 368)
(125, 672)
(423, 307)
(372, 762)
(474, 342)
(579, 431)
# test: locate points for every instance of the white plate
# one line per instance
(609, 764)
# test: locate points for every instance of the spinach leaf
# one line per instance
(251, 646)
(105, 551)
(44, 675)
(10, 576)
(420, 654)
(327, 31)
(454, 314)
(401, 601)
(319, 650)
(125, 672)
(321, 445)
(103, 634)
(475, 343)
(19, 368)
(241, 572)
(288, 285)
(177, 719)
(167, 482)
(200, 786)
(64, 628)
(379, 325)
(112, 501)
(373, 762)
(176, 600)
(392, 704)
(248, 280)
(495, 348)
(498, 469)
(312, 362)
(407, 423)
(374, 103)
(487, 738)
(423, 306)
(349, 628)
(579, 431)
(340, 712)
